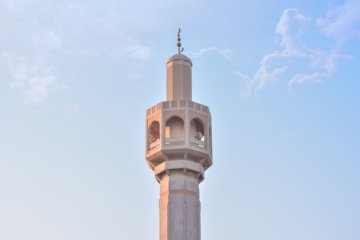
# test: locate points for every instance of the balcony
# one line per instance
(154, 144)
(170, 140)
(198, 142)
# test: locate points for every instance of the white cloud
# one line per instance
(283, 28)
(326, 61)
(223, 52)
(339, 23)
(139, 51)
(134, 50)
(300, 78)
(267, 74)
(31, 76)
(39, 39)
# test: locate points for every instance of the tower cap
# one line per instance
(177, 57)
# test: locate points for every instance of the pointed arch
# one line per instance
(154, 134)
(174, 129)
(197, 132)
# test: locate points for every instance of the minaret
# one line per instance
(179, 150)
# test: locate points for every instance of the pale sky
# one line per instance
(281, 79)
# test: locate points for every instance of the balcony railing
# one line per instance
(199, 143)
(169, 140)
(177, 105)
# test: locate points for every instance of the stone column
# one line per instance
(179, 206)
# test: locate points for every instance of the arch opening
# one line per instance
(154, 134)
(174, 129)
(197, 132)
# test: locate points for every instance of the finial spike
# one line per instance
(180, 49)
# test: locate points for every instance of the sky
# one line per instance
(281, 79)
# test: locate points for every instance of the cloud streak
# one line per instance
(223, 52)
(131, 48)
(339, 23)
(289, 17)
(39, 40)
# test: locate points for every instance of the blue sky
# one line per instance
(281, 79)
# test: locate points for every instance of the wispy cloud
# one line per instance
(223, 52)
(338, 23)
(38, 42)
(300, 78)
(341, 22)
(31, 76)
(267, 73)
(30, 69)
(131, 48)
(289, 17)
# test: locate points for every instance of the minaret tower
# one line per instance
(179, 150)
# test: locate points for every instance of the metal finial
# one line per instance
(180, 49)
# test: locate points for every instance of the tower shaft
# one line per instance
(178, 78)
(179, 207)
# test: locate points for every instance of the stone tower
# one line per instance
(179, 150)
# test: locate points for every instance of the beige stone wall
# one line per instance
(178, 78)
(179, 207)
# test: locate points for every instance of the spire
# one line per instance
(178, 75)
(180, 49)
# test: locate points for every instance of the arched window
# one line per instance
(197, 133)
(174, 129)
(154, 134)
